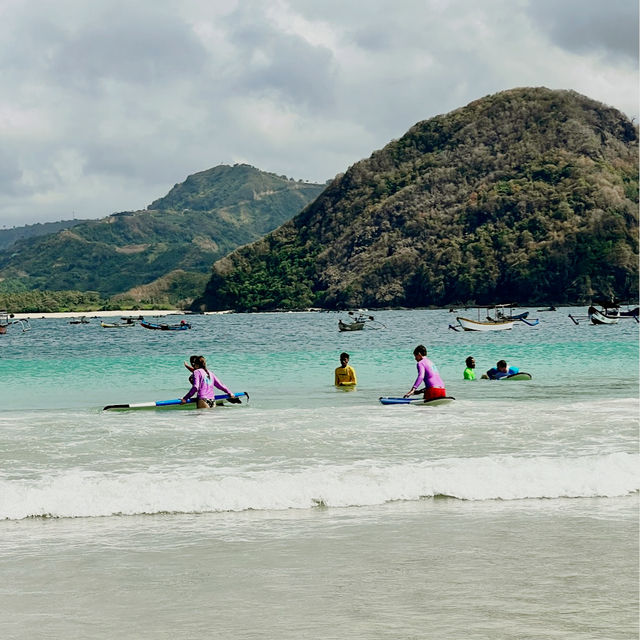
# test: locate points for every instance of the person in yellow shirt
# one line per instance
(345, 374)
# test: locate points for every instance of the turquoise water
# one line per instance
(312, 512)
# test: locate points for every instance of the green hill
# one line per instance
(198, 221)
(10, 236)
(527, 195)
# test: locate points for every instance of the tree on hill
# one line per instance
(198, 221)
(528, 195)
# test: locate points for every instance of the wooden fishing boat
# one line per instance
(7, 320)
(499, 317)
(358, 322)
(81, 320)
(600, 316)
(490, 325)
(117, 325)
(183, 326)
(350, 326)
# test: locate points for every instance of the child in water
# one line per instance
(345, 376)
(427, 374)
(203, 383)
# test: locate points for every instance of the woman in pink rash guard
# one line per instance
(203, 383)
(427, 373)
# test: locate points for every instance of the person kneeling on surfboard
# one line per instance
(427, 374)
(203, 384)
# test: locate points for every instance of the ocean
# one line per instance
(310, 512)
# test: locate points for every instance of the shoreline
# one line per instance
(37, 315)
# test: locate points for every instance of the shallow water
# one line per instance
(312, 512)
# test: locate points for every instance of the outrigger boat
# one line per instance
(183, 326)
(606, 314)
(117, 325)
(500, 321)
(358, 322)
(7, 320)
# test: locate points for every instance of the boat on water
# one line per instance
(497, 319)
(358, 322)
(182, 326)
(6, 320)
(490, 325)
(600, 316)
(551, 308)
(117, 325)
(80, 320)
(606, 313)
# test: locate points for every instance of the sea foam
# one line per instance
(79, 493)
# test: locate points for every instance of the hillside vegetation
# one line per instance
(10, 236)
(198, 221)
(529, 195)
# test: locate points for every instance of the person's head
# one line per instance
(193, 360)
(344, 359)
(199, 362)
(420, 352)
(471, 363)
(501, 365)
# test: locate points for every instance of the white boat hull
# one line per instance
(474, 325)
(598, 317)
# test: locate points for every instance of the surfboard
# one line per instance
(417, 401)
(174, 403)
(514, 376)
(518, 376)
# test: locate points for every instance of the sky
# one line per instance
(106, 104)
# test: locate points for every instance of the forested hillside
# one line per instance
(529, 195)
(10, 236)
(199, 221)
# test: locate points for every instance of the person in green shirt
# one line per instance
(469, 373)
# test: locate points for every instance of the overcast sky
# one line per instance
(106, 104)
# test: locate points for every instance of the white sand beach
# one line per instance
(100, 314)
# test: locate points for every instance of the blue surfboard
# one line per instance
(175, 403)
(417, 401)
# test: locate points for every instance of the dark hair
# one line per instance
(420, 349)
(344, 355)
(201, 363)
(501, 363)
(468, 361)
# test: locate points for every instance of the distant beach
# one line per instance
(134, 313)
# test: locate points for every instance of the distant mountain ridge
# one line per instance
(198, 221)
(10, 236)
(529, 195)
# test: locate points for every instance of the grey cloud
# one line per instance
(135, 48)
(590, 26)
(275, 63)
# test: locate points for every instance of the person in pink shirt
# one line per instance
(203, 384)
(427, 374)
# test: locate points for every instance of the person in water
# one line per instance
(501, 370)
(203, 383)
(469, 373)
(345, 376)
(427, 374)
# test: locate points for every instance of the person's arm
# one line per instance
(188, 366)
(418, 381)
(194, 388)
(220, 385)
(336, 380)
(353, 376)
